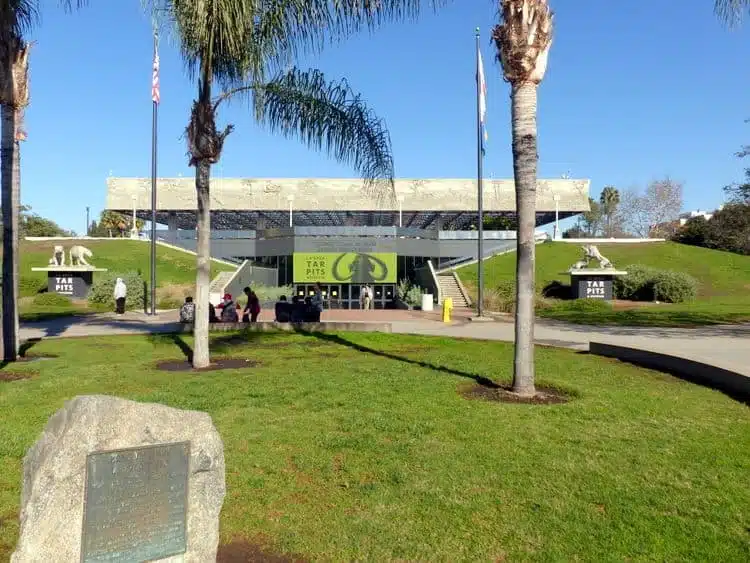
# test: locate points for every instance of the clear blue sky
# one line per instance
(634, 91)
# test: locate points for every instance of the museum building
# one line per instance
(340, 233)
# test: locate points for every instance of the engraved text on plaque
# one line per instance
(135, 508)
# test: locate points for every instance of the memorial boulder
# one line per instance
(115, 480)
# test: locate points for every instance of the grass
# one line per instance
(723, 296)
(358, 447)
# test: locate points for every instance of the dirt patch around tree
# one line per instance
(243, 551)
(504, 394)
(16, 375)
(216, 365)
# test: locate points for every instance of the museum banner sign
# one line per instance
(345, 267)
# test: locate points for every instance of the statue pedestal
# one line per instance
(73, 281)
(593, 283)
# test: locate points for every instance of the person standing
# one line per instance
(317, 303)
(120, 294)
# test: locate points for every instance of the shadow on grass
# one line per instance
(740, 397)
(217, 345)
(336, 339)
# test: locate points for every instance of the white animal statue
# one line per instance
(579, 265)
(78, 255)
(58, 257)
(591, 252)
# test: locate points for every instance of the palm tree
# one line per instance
(17, 17)
(523, 39)
(609, 200)
(731, 11)
(241, 47)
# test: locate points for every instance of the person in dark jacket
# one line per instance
(283, 310)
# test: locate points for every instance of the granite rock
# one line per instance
(52, 497)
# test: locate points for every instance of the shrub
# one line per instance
(402, 289)
(587, 305)
(31, 285)
(506, 290)
(643, 283)
(52, 300)
(637, 285)
(102, 290)
(674, 287)
(557, 290)
(414, 296)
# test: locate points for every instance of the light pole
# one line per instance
(88, 223)
(134, 228)
(400, 211)
(556, 197)
(290, 199)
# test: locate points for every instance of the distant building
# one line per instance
(685, 217)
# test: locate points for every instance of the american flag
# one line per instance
(482, 97)
(155, 94)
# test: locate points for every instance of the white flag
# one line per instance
(482, 94)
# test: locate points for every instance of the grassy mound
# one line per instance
(723, 278)
(175, 272)
(367, 450)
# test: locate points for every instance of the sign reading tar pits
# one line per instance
(345, 267)
(135, 506)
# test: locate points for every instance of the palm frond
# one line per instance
(731, 11)
(241, 40)
(298, 26)
(17, 17)
(329, 116)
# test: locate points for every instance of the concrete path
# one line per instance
(723, 346)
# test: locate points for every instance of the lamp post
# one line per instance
(556, 197)
(400, 211)
(134, 228)
(290, 199)
(88, 223)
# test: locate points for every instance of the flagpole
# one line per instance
(480, 227)
(154, 115)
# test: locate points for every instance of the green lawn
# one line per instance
(173, 266)
(724, 278)
(338, 453)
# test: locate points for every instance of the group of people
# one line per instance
(298, 311)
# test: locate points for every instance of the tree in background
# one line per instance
(590, 222)
(113, 223)
(245, 48)
(609, 201)
(17, 17)
(654, 211)
(34, 225)
(523, 40)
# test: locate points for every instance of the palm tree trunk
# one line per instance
(11, 175)
(524, 172)
(201, 356)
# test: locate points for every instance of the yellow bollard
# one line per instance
(447, 308)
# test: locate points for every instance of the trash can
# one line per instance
(427, 303)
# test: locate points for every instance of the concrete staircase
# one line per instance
(450, 286)
(216, 289)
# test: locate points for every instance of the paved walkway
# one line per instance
(723, 346)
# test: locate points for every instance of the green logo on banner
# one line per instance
(348, 267)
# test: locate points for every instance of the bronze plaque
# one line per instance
(135, 504)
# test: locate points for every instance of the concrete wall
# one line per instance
(732, 382)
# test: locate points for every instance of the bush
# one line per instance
(586, 305)
(637, 285)
(674, 287)
(102, 290)
(506, 290)
(402, 290)
(31, 285)
(52, 300)
(414, 296)
(643, 283)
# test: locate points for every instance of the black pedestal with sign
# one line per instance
(593, 284)
(73, 282)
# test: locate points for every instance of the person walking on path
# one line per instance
(120, 293)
